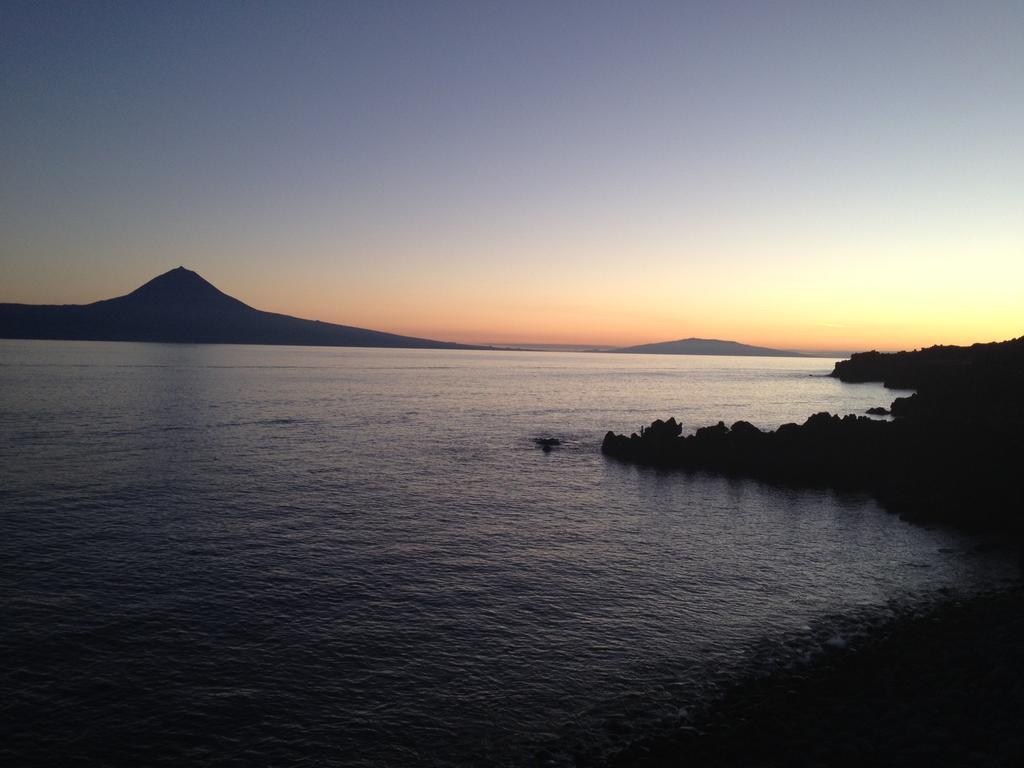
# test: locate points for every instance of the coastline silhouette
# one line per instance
(950, 454)
(181, 306)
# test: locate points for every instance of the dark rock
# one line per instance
(904, 407)
(951, 455)
(547, 443)
(662, 430)
(878, 411)
(745, 430)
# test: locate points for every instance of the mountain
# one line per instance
(180, 306)
(705, 347)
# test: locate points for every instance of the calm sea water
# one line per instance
(290, 556)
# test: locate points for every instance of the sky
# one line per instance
(803, 175)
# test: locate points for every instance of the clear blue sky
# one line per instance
(801, 174)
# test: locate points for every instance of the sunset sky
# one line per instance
(816, 175)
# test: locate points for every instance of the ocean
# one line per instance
(284, 556)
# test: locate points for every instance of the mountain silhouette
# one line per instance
(705, 347)
(181, 306)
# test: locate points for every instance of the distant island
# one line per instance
(180, 306)
(951, 453)
(705, 347)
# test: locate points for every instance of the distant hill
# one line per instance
(705, 347)
(180, 306)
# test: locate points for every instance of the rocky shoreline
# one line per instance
(944, 688)
(951, 454)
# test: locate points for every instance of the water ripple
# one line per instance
(253, 556)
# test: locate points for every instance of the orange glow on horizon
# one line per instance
(828, 179)
(779, 297)
(791, 292)
(887, 332)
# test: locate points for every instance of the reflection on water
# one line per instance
(287, 555)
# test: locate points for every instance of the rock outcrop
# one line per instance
(547, 443)
(952, 453)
